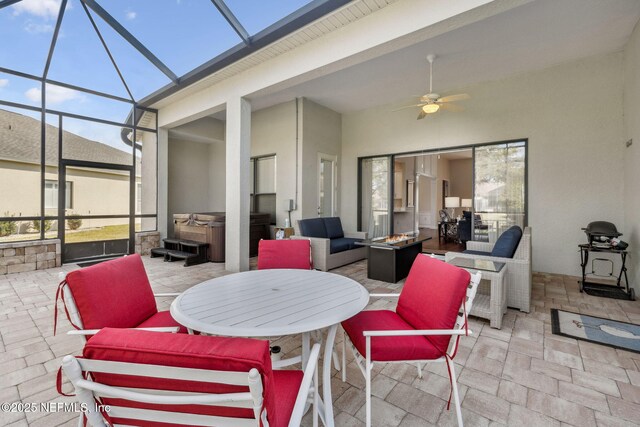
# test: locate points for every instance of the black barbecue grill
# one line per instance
(603, 237)
(601, 231)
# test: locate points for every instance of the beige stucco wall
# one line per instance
(273, 131)
(149, 178)
(573, 147)
(631, 201)
(94, 193)
(20, 189)
(321, 134)
(188, 178)
(298, 127)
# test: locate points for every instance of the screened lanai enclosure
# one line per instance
(78, 141)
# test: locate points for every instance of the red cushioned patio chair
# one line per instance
(430, 317)
(284, 254)
(115, 294)
(146, 378)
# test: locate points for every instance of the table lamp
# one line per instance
(452, 203)
(466, 203)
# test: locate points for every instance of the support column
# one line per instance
(163, 184)
(238, 142)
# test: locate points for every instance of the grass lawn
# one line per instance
(109, 232)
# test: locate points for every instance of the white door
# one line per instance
(327, 178)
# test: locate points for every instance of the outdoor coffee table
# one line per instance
(264, 303)
(390, 258)
(493, 305)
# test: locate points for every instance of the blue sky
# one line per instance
(181, 33)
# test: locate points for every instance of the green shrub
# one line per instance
(74, 223)
(8, 227)
(47, 224)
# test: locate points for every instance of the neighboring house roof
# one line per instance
(20, 141)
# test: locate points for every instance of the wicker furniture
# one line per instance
(331, 247)
(491, 301)
(518, 275)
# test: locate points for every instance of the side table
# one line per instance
(491, 305)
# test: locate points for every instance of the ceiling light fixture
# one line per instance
(430, 108)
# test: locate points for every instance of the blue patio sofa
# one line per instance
(331, 247)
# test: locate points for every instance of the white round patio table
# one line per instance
(263, 303)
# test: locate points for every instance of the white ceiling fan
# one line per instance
(433, 102)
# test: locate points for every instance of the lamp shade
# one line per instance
(466, 203)
(452, 202)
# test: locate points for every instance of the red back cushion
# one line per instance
(113, 293)
(432, 296)
(284, 254)
(186, 351)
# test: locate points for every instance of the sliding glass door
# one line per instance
(375, 178)
(499, 189)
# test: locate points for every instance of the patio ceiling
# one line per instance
(537, 35)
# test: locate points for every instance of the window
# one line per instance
(51, 194)
(263, 185)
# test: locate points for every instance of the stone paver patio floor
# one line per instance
(519, 375)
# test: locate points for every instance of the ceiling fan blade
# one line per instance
(422, 115)
(454, 98)
(455, 108)
(410, 106)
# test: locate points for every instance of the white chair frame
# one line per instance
(88, 392)
(74, 314)
(366, 364)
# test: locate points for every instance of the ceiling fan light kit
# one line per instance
(431, 102)
(430, 108)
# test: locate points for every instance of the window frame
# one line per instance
(254, 194)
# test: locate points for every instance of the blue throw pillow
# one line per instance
(507, 243)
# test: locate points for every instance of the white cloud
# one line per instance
(55, 94)
(42, 8)
(130, 15)
(33, 28)
(4, 82)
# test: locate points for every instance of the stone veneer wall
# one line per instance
(18, 257)
(146, 240)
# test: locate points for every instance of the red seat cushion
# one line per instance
(286, 386)
(162, 319)
(432, 296)
(386, 349)
(113, 293)
(284, 254)
(189, 351)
